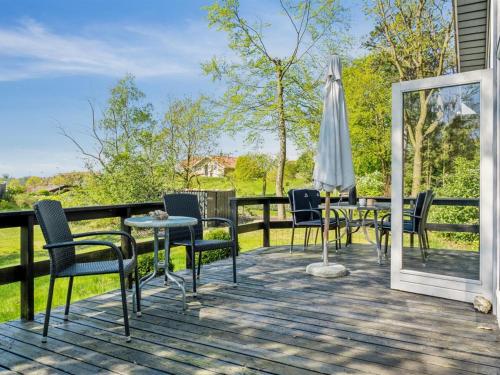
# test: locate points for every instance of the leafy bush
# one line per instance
(25, 200)
(7, 206)
(145, 264)
(214, 255)
(370, 185)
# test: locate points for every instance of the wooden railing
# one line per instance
(28, 269)
(266, 224)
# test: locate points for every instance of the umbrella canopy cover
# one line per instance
(333, 169)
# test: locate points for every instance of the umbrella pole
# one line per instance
(326, 228)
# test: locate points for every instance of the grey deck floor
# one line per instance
(277, 321)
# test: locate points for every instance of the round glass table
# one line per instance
(156, 225)
(348, 209)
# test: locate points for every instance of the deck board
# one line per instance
(277, 321)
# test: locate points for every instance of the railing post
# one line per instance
(27, 262)
(267, 225)
(233, 215)
(125, 245)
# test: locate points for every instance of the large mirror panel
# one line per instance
(441, 182)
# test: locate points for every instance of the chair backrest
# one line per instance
(417, 210)
(303, 199)
(55, 228)
(427, 207)
(183, 204)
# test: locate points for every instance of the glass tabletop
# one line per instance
(150, 222)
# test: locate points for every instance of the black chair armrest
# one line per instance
(131, 239)
(229, 223)
(386, 216)
(89, 243)
(412, 215)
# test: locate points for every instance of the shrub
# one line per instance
(145, 264)
(215, 255)
(8, 206)
(370, 185)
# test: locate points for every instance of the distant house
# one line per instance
(212, 166)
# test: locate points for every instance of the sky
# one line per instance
(57, 55)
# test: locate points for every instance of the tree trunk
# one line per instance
(387, 184)
(418, 137)
(282, 138)
(417, 167)
(264, 184)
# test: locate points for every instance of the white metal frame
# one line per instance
(434, 284)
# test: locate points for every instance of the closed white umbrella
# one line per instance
(333, 169)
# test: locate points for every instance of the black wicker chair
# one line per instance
(304, 204)
(416, 222)
(60, 243)
(184, 204)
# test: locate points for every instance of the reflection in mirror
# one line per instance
(441, 160)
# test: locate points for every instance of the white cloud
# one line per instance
(31, 50)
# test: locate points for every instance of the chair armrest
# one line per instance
(113, 233)
(411, 215)
(386, 216)
(89, 242)
(229, 223)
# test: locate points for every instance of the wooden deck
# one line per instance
(277, 321)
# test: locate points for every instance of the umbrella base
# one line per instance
(332, 270)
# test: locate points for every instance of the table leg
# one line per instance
(169, 276)
(146, 279)
(167, 254)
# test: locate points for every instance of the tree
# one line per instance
(33, 181)
(305, 165)
(368, 98)
(258, 85)
(254, 166)
(415, 36)
(191, 135)
(128, 161)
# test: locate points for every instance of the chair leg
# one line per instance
(291, 242)
(137, 291)
(68, 298)
(338, 237)
(199, 265)
(427, 246)
(305, 239)
(233, 251)
(386, 234)
(124, 307)
(47, 310)
(420, 245)
(316, 236)
(193, 269)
